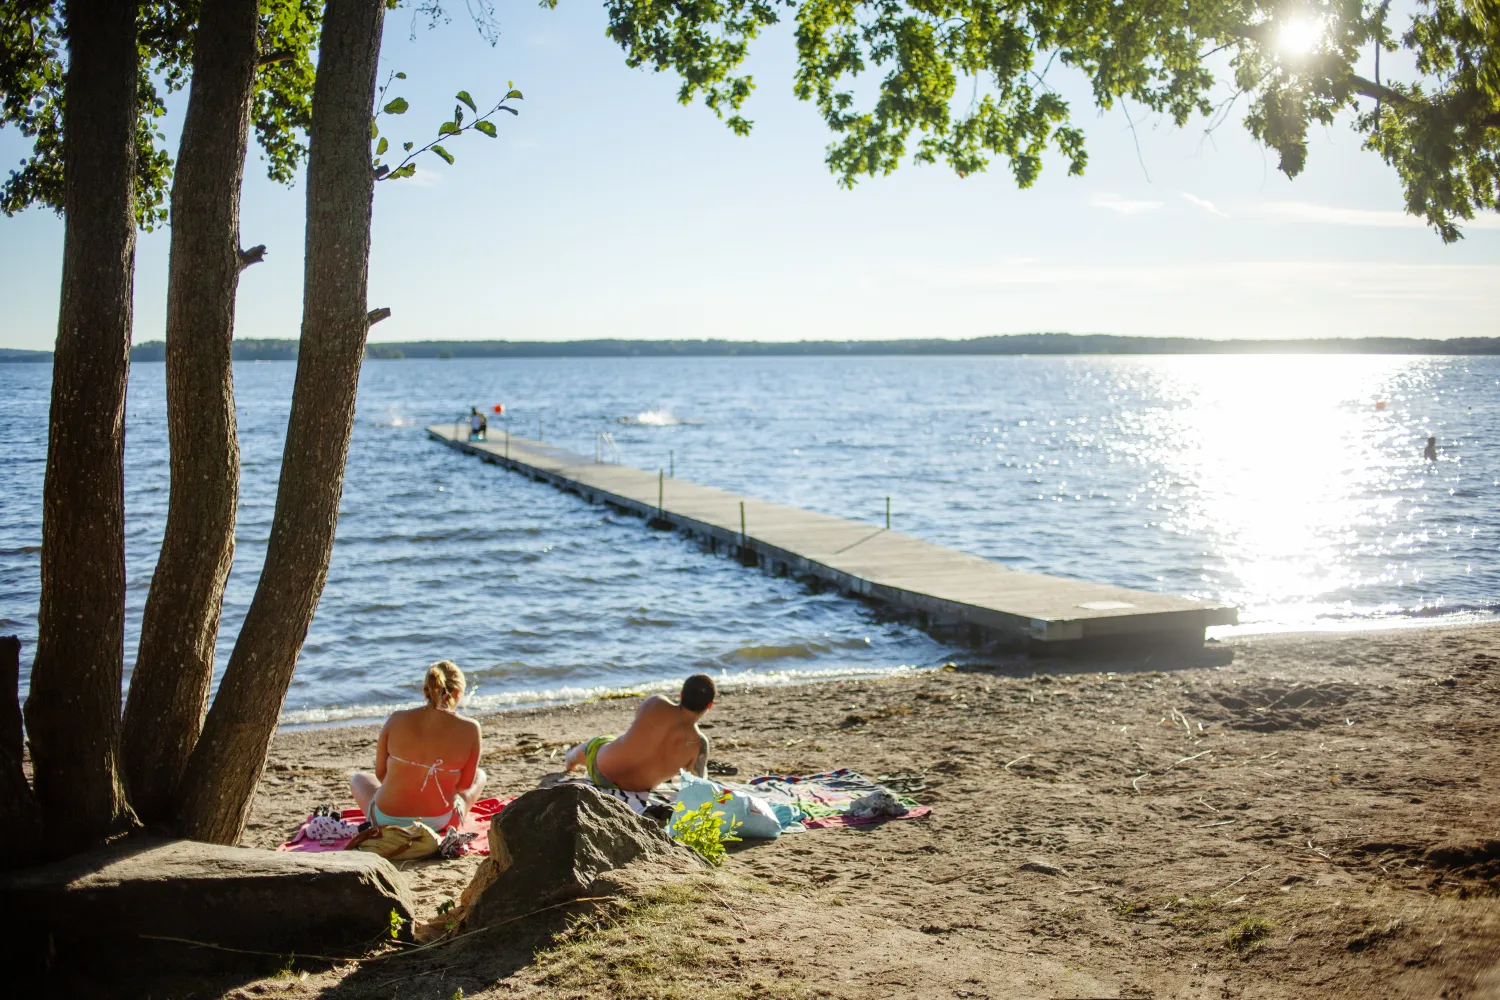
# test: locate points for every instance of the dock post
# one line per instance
(887, 513)
(660, 487)
(507, 444)
(742, 524)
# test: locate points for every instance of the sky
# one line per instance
(606, 209)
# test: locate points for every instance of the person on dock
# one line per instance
(479, 426)
(663, 739)
(436, 776)
(1430, 452)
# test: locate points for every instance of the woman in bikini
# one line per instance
(427, 762)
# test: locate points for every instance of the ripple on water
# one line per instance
(1272, 483)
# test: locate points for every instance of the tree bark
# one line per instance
(226, 765)
(174, 666)
(73, 712)
(20, 816)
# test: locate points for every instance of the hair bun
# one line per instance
(444, 684)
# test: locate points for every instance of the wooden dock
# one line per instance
(943, 586)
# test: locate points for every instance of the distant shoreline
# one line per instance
(1051, 344)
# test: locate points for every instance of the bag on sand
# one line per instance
(398, 843)
(756, 817)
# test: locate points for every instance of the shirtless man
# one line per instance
(663, 738)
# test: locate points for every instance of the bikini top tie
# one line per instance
(431, 769)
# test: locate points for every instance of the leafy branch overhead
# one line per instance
(450, 129)
(968, 81)
(33, 63)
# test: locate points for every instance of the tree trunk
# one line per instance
(226, 765)
(174, 667)
(73, 712)
(20, 816)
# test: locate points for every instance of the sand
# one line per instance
(1277, 816)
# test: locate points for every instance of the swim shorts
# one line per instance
(591, 761)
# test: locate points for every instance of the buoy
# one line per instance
(1379, 406)
(500, 407)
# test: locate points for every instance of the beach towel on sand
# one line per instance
(476, 821)
(823, 800)
(800, 801)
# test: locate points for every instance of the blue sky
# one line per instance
(608, 210)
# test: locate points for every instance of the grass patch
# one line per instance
(1247, 934)
(671, 942)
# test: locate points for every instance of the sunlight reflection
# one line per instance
(1291, 470)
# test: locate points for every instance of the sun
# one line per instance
(1300, 35)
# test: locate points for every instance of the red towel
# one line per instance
(476, 821)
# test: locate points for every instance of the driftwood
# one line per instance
(20, 815)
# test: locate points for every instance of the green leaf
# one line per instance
(401, 76)
(448, 128)
(439, 150)
(511, 110)
(514, 94)
(397, 107)
(407, 146)
(463, 95)
(381, 147)
(488, 128)
(458, 115)
(374, 129)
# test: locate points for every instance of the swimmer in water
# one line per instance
(1430, 452)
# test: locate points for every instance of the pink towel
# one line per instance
(476, 821)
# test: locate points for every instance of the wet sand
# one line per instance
(1278, 816)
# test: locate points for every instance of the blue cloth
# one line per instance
(382, 818)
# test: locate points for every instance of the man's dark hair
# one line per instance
(698, 692)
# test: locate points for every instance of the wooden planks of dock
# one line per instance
(944, 586)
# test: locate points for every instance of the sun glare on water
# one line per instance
(1292, 471)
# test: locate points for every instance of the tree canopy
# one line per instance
(963, 82)
(33, 65)
(969, 81)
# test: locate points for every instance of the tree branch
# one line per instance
(254, 255)
(1369, 88)
(272, 58)
(384, 173)
(376, 315)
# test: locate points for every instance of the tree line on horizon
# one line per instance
(1047, 344)
(87, 82)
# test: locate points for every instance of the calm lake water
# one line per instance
(1275, 483)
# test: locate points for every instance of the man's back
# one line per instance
(662, 739)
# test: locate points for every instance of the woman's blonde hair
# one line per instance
(444, 686)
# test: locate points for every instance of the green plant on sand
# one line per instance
(702, 830)
(1247, 933)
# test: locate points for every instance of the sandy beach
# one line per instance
(1276, 816)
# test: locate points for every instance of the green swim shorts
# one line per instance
(591, 761)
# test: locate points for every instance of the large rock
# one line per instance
(95, 910)
(554, 844)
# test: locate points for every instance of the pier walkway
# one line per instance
(942, 585)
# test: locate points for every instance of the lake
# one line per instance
(1279, 484)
